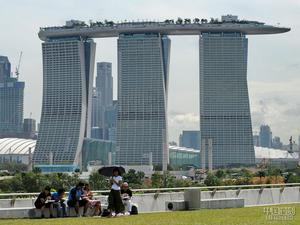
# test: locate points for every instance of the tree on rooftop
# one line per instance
(179, 20)
(187, 21)
(196, 20)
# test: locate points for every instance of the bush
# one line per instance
(212, 180)
(98, 182)
(35, 182)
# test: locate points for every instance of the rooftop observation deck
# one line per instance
(167, 27)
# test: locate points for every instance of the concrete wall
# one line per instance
(156, 202)
(258, 196)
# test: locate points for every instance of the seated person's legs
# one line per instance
(84, 203)
(74, 204)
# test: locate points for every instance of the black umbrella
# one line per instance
(107, 171)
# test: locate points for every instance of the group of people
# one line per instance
(79, 196)
(119, 199)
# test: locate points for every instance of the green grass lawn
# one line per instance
(245, 216)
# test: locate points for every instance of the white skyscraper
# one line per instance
(142, 99)
(68, 67)
(224, 102)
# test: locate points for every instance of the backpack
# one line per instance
(134, 210)
(105, 213)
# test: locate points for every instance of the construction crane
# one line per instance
(18, 67)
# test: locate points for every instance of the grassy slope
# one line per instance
(245, 216)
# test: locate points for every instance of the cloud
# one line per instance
(276, 104)
(179, 121)
(183, 118)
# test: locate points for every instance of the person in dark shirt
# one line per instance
(125, 190)
(75, 199)
(44, 201)
(126, 194)
(59, 204)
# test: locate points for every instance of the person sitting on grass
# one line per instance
(93, 203)
(59, 204)
(44, 201)
(115, 204)
(126, 194)
(75, 199)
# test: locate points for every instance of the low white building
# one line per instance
(16, 150)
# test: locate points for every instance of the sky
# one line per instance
(273, 60)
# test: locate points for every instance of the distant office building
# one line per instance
(190, 139)
(68, 68)
(110, 117)
(256, 140)
(29, 128)
(276, 143)
(5, 68)
(29, 125)
(265, 136)
(95, 108)
(224, 102)
(11, 101)
(104, 91)
(102, 98)
(142, 99)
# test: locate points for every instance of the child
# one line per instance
(59, 204)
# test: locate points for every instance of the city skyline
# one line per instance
(267, 55)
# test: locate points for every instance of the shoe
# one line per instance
(120, 214)
(43, 216)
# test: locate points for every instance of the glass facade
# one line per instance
(265, 136)
(68, 67)
(180, 157)
(11, 107)
(190, 139)
(103, 95)
(97, 151)
(143, 61)
(224, 102)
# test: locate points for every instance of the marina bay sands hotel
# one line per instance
(143, 75)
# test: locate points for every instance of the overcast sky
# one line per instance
(273, 60)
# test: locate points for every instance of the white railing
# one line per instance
(158, 190)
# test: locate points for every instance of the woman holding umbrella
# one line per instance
(115, 204)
